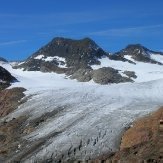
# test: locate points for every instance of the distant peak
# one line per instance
(134, 46)
(84, 42)
(86, 39)
(3, 60)
(60, 39)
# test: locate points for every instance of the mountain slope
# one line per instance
(65, 53)
(72, 57)
(143, 141)
(81, 59)
(138, 53)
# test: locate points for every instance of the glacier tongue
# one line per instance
(90, 118)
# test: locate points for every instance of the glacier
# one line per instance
(89, 118)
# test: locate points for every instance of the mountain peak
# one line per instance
(3, 60)
(136, 47)
(62, 41)
(68, 52)
(137, 52)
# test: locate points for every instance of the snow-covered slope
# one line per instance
(157, 57)
(144, 71)
(90, 117)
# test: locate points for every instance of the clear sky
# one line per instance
(26, 25)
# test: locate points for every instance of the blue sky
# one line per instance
(25, 26)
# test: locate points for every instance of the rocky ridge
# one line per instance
(137, 53)
(75, 58)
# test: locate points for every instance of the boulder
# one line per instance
(130, 74)
(108, 75)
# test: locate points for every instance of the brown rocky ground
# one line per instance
(12, 147)
(10, 99)
(143, 142)
(12, 131)
(3, 86)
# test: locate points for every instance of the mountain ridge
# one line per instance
(86, 43)
(139, 53)
(75, 58)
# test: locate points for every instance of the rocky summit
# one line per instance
(137, 52)
(64, 53)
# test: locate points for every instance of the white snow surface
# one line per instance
(61, 61)
(157, 57)
(144, 71)
(39, 57)
(87, 111)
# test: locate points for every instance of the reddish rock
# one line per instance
(143, 141)
(10, 100)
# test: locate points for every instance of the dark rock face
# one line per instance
(83, 75)
(5, 78)
(130, 74)
(119, 57)
(77, 54)
(138, 53)
(3, 60)
(107, 75)
(51, 67)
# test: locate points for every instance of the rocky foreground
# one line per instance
(142, 141)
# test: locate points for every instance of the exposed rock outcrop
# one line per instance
(10, 99)
(83, 75)
(107, 75)
(5, 78)
(130, 74)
